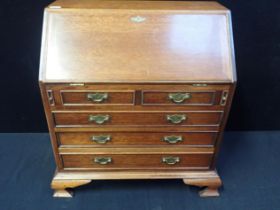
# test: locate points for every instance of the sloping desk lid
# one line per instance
(135, 41)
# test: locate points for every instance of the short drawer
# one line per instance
(121, 118)
(93, 97)
(136, 138)
(195, 98)
(137, 161)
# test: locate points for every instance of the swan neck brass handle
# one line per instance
(170, 160)
(172, 139)
(179, 97)
(99, 119)
(97, 97)
(101, 139)
(176, 118)
(103, 160)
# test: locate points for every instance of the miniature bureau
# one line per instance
(136, 90)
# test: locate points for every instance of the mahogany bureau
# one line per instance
(136, 90)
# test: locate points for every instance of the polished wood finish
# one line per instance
(139, 129)
(211, 185)
(135, 96)
(135, 150)
(136, 161)
(209, 180)
(72, 98)
(60, 186)
(136, 138)
(169, 52)
(207, 7)
(135, 55)
(137, 118)
(196, 98)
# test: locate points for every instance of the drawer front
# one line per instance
(136, 161)
(206, 98)
(138, 118)
(94, 98)
(136, 138)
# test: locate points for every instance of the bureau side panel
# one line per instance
(47, 102)
(223, 124)
(231, 90)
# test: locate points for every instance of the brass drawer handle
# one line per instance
(170, 160)
(172, 139)
(99, 119)
(97, 97)
(103, 160)
(176, 118)
(179, 97)
(101, 139)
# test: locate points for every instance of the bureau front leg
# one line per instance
(60, 186)
(211, 185)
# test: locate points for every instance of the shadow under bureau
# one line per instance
(136, 90)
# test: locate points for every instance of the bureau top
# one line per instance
(136, 5)
(136, 42)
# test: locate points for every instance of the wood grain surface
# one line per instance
(136, 138)
(137, 53)
(102, 44)
(137, 118)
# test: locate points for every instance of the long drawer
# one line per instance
(136, 138)
(121, 118)
(136, 158)
(136, 161)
